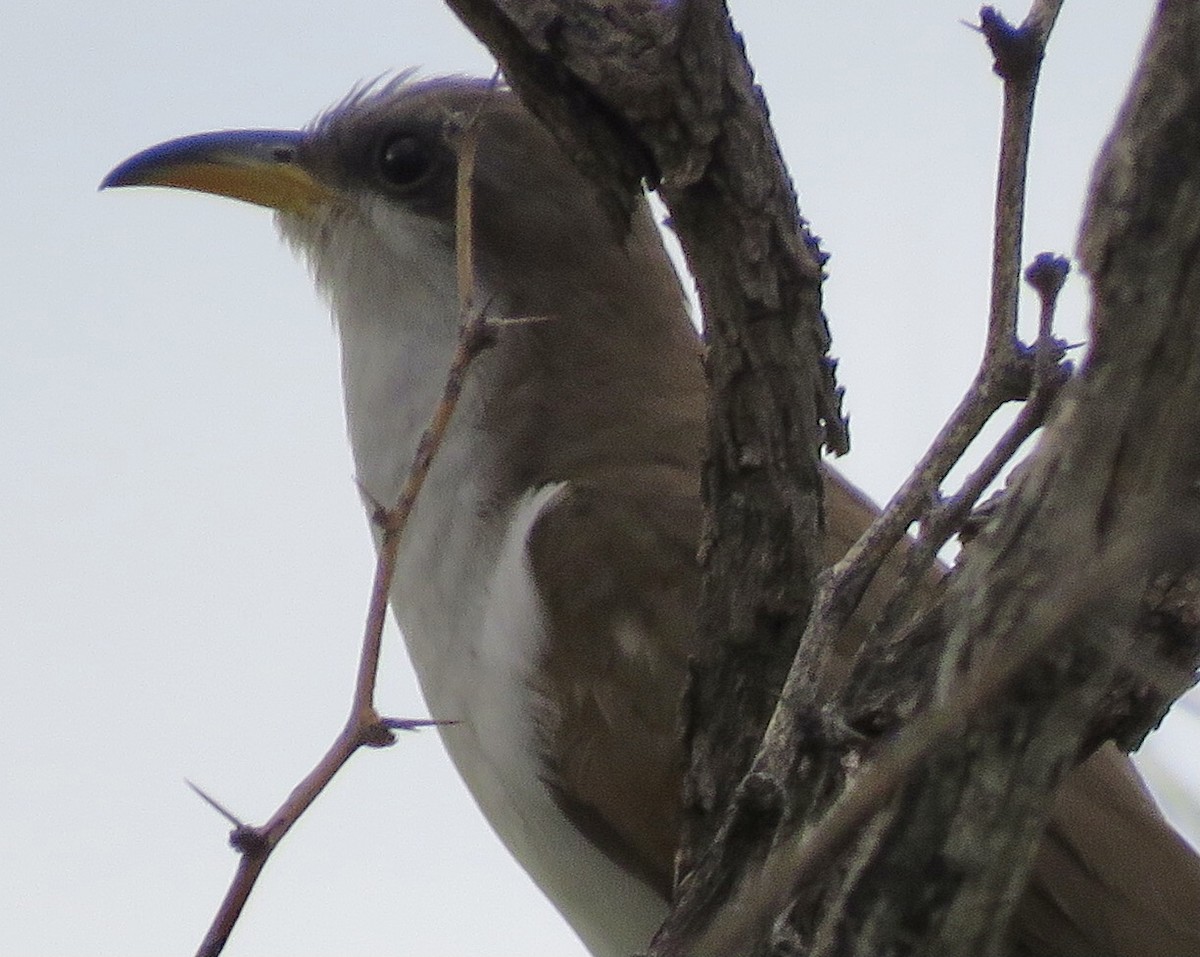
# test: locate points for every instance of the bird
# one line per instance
(547, 581)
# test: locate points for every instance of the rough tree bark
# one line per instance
(1078, 600)
(663, 93)
(1034, 666)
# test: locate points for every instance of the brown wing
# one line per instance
(612, 681)
(1112, 877)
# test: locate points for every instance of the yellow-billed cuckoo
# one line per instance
(547, 580)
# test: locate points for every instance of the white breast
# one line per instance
(477, 674)
(463, 594)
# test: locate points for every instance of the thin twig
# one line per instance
(1005, 373)
(793, 863)
(1046, 274)
(364, 726)
(1018, 61)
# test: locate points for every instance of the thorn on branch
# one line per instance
(1042, 365)
(381, 733)
(215, 804)
(1016, 51)
(246, 839)
(499, 322)
(378, 510)
(414, 724)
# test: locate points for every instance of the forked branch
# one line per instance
(1009, 371)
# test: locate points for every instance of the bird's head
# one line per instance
(367, 194)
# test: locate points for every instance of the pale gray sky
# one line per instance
(184, 565)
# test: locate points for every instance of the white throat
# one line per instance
(389, 278)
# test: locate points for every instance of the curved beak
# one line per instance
(256, 166)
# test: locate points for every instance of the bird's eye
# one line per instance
(404, 160)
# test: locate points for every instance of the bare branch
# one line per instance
(1006, 373)
(1051, 373)
(1060, 593)
(1018, 55)
(364, 727)
(792, 863)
